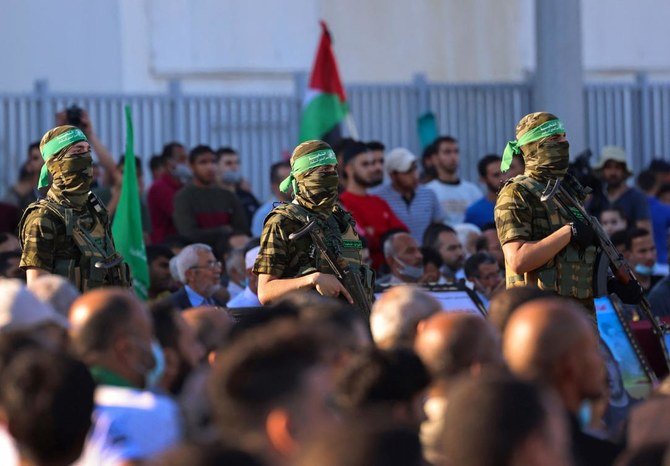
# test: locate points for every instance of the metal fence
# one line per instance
(482, 116)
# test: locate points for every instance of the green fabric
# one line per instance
(307, 162)
(547, 129)
(320, 115)
(57, 144)
(104, 376)
(427, 128)
(127, 226)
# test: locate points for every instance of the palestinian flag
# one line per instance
(325, 105)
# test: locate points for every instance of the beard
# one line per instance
(363, 182)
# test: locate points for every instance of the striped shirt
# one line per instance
(420, 212)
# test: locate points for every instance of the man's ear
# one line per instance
(278, 431)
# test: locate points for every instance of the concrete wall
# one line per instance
(256, 45)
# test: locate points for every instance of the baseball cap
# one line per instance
(21, 310)
(250, 257)
(615, 154)
(399, 160)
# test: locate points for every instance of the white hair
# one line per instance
(396, 314)
(188, 257)
(56, 291)
(463, 231)
(389, 249)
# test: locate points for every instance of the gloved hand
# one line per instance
(630, 293)
(582, 234)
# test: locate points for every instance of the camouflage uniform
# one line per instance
(68, 232)
(521, 216)
(283, 258)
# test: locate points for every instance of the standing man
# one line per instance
(454, 194)
(204, 211)
(542, 245)
(161, 194)
(230, 178)
(68, 232)
(374, 218)
(278, 172)
(377, 149)
(285, 264)
(416, 206)
(481, 212)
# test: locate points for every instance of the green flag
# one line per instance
(127, 226)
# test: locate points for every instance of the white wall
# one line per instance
(256, 45)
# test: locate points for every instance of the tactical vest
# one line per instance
(346, 245)
(99, 264)
(570, 272)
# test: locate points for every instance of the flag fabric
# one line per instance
(127, 225)
(325, 105)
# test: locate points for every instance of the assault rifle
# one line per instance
(339, 267)
(566, 200)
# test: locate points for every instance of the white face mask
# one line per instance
(183, 173)
(154, 375)
(644, 269)
(410, 271)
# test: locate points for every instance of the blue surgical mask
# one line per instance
(644, 269)
(232, 177)
(154, 375)
(410, 271)
(585, 414)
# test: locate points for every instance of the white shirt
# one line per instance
(245, 299)
(455, 198)
(130, 424)
(9, 455)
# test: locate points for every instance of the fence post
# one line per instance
(41, 106)
(176, 110)
(420, 83)
(646, 143)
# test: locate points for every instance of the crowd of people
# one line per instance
(203, 373)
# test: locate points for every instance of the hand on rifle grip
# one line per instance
(582, 234)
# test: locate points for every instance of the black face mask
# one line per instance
(318, 192)
(547, 160)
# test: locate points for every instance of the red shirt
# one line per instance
(160, 200)
(373, 218)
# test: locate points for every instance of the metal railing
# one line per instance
(262, 127)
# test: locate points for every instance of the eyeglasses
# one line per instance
(209, 265)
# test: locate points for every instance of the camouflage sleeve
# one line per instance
(38, 241)
(273, 256)
(512, 214)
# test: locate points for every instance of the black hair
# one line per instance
(24, 172)
(32, 146)
(375, 145)
(351, 151)
(646, 180)
(489, 418)
(156, 162)
(168, 149)
(377, 376)
(227, 150)
(165, 325)
(154, 251)
(621, 239)
(431, 256)
(442, 139)
(197, 151)
(635, 233)
(472, 263)
(274, 171)
(488, 226)
(138, 163)
(618, 210)
(432, 233)
(664, 188)
(485, 162)
(48, 400)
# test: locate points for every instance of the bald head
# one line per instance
(450, 344)
(211, 325)
(551, 341)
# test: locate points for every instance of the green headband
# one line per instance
(307, 162)
(546, 129)
(54, 146)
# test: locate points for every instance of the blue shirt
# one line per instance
(660, 222)
(196, 299)
(422, 210)
(259, 217)
(480, 213)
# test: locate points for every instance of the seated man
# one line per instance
(482, 270)
(200, 273)
(249, 296)
(404, 258)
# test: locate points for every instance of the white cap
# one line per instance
(399, 160)
(21, 310)
(250, 257)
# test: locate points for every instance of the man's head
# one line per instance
(455, 344)
(229, 166)
(202, 160)
(403, 256)
(313, 177)
(447, 155)
(112, 329)
(648, 182)
(613, 219)
(552, 342)
(390, 383)
(359, 166)
(271, 388)
(157, 166)
(211, 325)
(482, 269)
(396, 314)
(278, 172)
(67, 156)
(34, 160)
(47, 400)
(432, 263)
(444, 240)
(175, 157)
(489, 242)
(489, 172)
(641, 251)
(56, 291)
(198, 268)
(401, 166)
(181, 348)
(540, 137)
(501, 421)
(612, 166)
(504, 303)
(160, 279)
(377, 149)
(250, 256)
